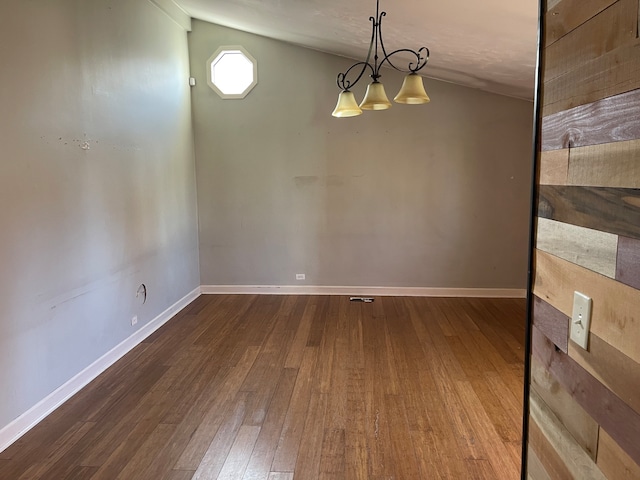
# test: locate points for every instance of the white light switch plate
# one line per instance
(581, 319)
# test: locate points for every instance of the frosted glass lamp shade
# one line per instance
(346, 106)
(375, 98)
(412, 91)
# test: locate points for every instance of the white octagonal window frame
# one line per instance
(232, 72)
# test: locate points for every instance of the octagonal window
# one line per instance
(232, 72)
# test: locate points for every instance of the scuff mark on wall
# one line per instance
(328, 181)
(305, 181)
(335, 181)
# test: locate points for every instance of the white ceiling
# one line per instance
(486, 44)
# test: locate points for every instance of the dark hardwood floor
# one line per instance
(286, 387)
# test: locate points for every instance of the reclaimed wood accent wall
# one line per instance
(585, 404)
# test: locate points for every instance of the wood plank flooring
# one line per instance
(299, 388)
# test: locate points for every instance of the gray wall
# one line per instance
(423, 196)
(97, 184)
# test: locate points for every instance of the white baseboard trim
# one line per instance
(363, 291)
(25, 422)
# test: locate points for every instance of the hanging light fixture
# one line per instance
(412, 91)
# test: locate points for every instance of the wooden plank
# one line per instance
(437, 449)
(549, 457)
(291, 434)
(332, 458)
(577, 461)
(264, 450)
(612, 368)
(400, 437)
(551, 4)
(579, 423)
(606, 408)
(510, 348)
(628, 262)
(406, 396)
(505, 461)
(554, 167)
(83, 473)
(613, 210)
(177, 475)
(479, 468)
(615, 317)
(610, 29)
(308, 461)
(552, 323)
(614, 462)
(535, 469)
(586, 247)
(495, 410)
(564, 16)
(216, 454)
(215, 416)
(236, 462)
(70, 438)
(280, 476)
(608, 120)
(611, 74)
(294, 358)
(606, 165)
(148, 452)
(356, 454)
(434, 459)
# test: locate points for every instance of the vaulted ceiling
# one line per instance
(485, 44)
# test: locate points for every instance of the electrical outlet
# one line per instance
(134, 320)
(581, 320)
(300, 276)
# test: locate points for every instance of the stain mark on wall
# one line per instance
(305, 181)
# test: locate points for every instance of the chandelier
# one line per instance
(412, 91)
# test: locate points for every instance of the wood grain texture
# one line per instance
(553, 167)
(147, 453)
(606, 408)
(280, 476)
(563, 16)
(224, 403)
(74, 435)
(611, 74)
(613, 210)
(285, 455)
(549, 4)
(612, 28)
(615, 317)
(588, 210)
(277, 387)
(586, 247)
(607, 165)
(238, 457)
(606, 120)
(628, 262)
(535, 469)
(551, 322)
(547, 453)
(612, 368)
(577, 461)
(614, 462)
(262, 455)
(178, 475)
(573, 417)
(212, 461)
